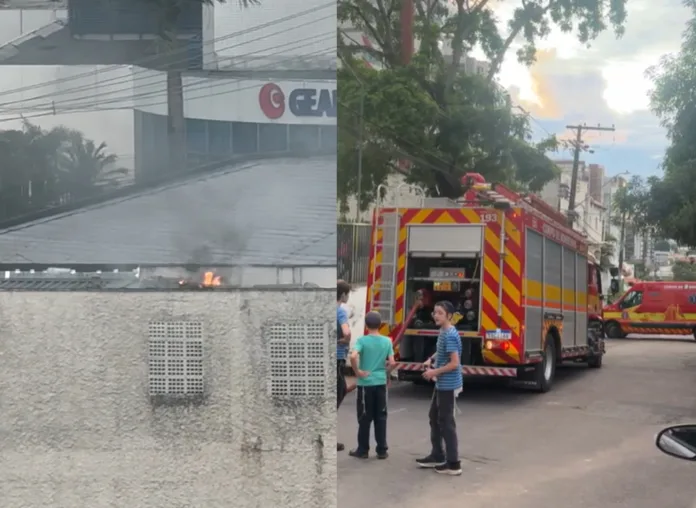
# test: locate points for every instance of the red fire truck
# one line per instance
(525, 292)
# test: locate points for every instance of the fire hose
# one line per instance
(417, 305)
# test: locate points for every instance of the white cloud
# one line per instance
(627, 88)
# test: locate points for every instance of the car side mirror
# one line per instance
(678, 441)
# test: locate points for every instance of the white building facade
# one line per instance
(257, 81)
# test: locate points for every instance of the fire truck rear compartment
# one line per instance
(453, 279)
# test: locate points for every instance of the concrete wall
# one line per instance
(78, 429)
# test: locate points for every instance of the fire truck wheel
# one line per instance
(546, 370)
(613, 330)
(595, 361)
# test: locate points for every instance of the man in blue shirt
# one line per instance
(342, 345)
(447, 373)
(372, 359)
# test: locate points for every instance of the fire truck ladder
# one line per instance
(387, 226)
(502, 196)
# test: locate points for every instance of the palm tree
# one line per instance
(175, 64)
(86, 166)
(28, 174)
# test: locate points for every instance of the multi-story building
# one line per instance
(597, 181)
(247, 91)
(166, 396)
(590, 212)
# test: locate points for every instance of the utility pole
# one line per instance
(579, 129)
(622, 240)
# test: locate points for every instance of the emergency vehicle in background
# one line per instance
(527, 297)
(653, 308)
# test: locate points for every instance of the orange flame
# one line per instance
(211, 280)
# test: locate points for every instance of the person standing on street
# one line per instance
(342, 345)
(447, 374)
(372, 359)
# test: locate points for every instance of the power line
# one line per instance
(184, 50)
(90, 106)
(55, 107)
(579, 129)
(148, 74)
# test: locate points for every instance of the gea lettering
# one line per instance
(304, 102)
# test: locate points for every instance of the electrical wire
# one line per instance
(204, 82)
(184, 50)
(55, 107)
(148, 74)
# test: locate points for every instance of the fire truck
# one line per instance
(525, 288)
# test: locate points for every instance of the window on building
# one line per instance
(304, 138)
(219, 137)
(175, 359)
(244, 137)
(273, 137)
(298, 355)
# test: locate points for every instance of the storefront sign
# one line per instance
(302, 102)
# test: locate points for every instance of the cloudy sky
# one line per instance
(603, 84)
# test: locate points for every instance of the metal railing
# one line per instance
(353, 252)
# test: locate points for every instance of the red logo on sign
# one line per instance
(272, 101)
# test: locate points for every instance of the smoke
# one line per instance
(540, 99)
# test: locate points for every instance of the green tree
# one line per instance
(672, 206)
(631, 210)
(42, 168)
(683, 271)
(430, 112)
(85, 165)
(173, 52)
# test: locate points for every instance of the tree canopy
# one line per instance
(42, 168)
(672, 206)
(436, 113)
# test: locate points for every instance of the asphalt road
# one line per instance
(589, 443)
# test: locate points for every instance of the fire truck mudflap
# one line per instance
(516, 275)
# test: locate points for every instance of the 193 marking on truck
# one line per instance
(489, 217)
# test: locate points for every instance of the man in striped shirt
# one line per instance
(447, 374)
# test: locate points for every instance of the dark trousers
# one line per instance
(372, 408)
(443, 427)
(341, 385)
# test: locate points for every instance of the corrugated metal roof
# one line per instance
(277, 211)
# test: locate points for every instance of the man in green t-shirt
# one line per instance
(372, 359)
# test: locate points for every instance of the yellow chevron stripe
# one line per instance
(512, 291)
(513, 263)
(513, 233)
(492, 238)
(445, 218)
(491, 357)
(471, 215)
(492, 299)
(487, 322)
(400, 286)
(420, 216)
(494, 271)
